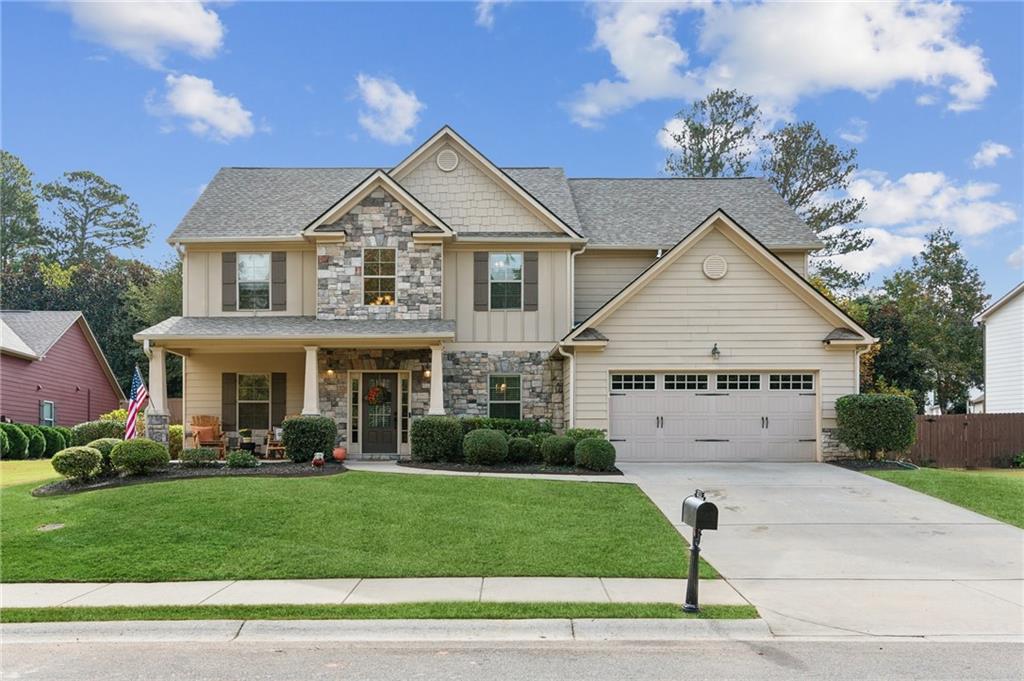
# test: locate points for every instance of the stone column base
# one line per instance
(158, 427)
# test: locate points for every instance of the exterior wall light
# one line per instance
(715, 352)
(426, 373)
(330, 372)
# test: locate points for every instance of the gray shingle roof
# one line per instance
(591, 335)
(293, 327)
(39, 330)
(659, 212)
(842, 333)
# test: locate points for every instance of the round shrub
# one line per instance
(175, 440)
(577, 434)
(4, 444)
(17, 442)
(36, 441)
(66, 432)
(595, 454)
(485, 447)
(94, 430)
(139, 456)
(304, 436)
(105, 445)
(79, 463)
(875, 423)
(511, 427)
(538, 439)
(558, 450)
(199, 458)
(242, 459)
(54, 441)
(436, 438)
(521, 450)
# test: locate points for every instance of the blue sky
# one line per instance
(157, 97)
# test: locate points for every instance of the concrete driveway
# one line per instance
(825, 551)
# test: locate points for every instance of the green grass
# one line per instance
(456, 610)
(21, 472)
(998, 494)
(357, 524)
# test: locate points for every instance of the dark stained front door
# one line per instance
(380, 412)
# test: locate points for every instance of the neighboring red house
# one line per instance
(52, 370)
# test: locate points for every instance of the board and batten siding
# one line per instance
(550, 322)
(202, 389)
(674, 321)
(1004, 358)
(203, 275)
(600, 274)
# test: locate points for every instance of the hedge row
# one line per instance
(27, 441)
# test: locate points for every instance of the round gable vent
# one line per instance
(447, 160)
(715, 267)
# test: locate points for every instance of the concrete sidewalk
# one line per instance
(367, 591)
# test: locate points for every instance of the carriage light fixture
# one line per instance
(715, 352)
(426, 373)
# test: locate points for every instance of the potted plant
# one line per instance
(246, 435)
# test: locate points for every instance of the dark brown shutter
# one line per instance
(480, 281)
(228, 402)
(278, 280)
(278, 391)
(40, 412)
(530, 281)
(228, 274)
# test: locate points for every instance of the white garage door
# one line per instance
(713, 417)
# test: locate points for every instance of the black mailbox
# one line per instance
(700, 514)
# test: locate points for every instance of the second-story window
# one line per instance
(379, 276)
(253, 281)
(506, 281)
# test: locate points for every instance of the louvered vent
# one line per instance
(715, 267)
(447, 160)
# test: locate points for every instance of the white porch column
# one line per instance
(157, 381)
(311, 390)
(436, 381)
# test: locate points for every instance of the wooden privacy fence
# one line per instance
(968, 440)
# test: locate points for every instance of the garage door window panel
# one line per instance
(686, 381)
(633, 382)
(738, 381)
(791, 381)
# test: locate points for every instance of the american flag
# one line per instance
(139, 394)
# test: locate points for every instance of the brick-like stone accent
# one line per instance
(831, 447)
(158, 427)
(378, 221)
(466, 390)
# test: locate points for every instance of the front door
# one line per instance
(380, 411)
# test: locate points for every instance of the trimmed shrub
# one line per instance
(79, 463)
(17, 442)
(95, 430)
(436, 438)
(240, 458)
(558, 450)
(176, 440)
(139, 456)
(578, 434)
(522, 450)
(121, 416)
(54, 441)
(105, 445)
(485, 447)
(511, 427)
(199, 458)
(66, 432)
(36, 441)
(538, 439)
(595, 453)
(4, 444)
(304, 436)
(873, 423)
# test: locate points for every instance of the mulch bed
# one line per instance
(282, 469)
(867, 465)
(507, 468)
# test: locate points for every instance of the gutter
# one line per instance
(571, 408)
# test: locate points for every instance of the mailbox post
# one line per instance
(700, 515)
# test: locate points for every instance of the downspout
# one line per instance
(572, 286)
(571, 410)
(856, 366)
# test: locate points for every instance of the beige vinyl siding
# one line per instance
(203, 378)
(601, 274)
(549, 323)
(674, 321)
(795, 259)
(1004, 358)
(202, 279)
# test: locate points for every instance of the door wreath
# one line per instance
(377, 395)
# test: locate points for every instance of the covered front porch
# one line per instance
(370, 377)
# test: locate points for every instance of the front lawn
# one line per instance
(20, 472)
(998, 494)
(357, 524)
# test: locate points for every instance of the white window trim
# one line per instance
(357, 375)
(53, 413)
(801, 374)
(270, 282)
(490, 401)
(394, 277)
(654, 385)
(760, 381)
(239, 401)
(696, 374)
(522, 276)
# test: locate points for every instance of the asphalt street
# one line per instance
(717, 660)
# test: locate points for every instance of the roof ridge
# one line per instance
(742, 177)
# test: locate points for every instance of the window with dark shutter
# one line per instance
(530, 262)
(279, 280)
(228, 402)
(228, 282)
(480, 282)
(278, 391)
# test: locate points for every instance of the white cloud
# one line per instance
(855, 132)
(485, 12)
(887, 249)
(391, 112)
(1016, 259)
(988, 153)
(147, 31)
(926, 100)
(208, 112)
(780, 52)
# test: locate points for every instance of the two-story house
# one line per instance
(673, 313)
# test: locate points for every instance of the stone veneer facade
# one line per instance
(378, 221)
(466, 389)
